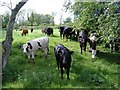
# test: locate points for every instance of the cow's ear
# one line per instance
(71, 52)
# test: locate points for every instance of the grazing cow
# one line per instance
(33, 45)
(24, 31)
(63, 58)
(48, 31)
(92, 42)
(82, 39)
(65, 31)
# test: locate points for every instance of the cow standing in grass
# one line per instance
(63, 58)
(36, 44)
(65, 31)
(24, 31)
(82, 39)
(48, 31)
(92, 41)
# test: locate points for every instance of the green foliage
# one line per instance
(5, 20)
(68, 20)
(41, 19)
(101, 72)
(31, 19)
(102, 17)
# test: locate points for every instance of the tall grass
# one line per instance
(85, 72)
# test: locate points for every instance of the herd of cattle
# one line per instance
(62, 53)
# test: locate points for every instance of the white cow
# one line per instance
(33, 45)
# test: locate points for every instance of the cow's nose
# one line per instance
(24, 52)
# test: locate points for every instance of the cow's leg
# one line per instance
(85, 44)
(60, 35)
(81, 48)
(90, 43)
(70, 36)
(33, 57)
(68, 69)
(57, 59)
(110, 45)
(93, 53)
(63, 36)
(66, 37)
(62, 72)
(28, 57)
(46, 52)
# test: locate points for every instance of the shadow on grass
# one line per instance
(54, 36)
(110, 57)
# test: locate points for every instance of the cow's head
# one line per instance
(60, 52)
(63, 53)
(26, 47)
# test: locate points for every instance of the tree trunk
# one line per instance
(6, 45)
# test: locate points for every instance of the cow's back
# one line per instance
(44, 41)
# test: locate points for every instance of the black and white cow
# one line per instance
(63, 58)
(92, 41)
(33, 45)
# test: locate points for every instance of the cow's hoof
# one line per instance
(68, 78)
(33, 62)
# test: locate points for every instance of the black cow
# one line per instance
(48, 31)
(63, 58)
(82, 39)
(65, 31)
(61, 29)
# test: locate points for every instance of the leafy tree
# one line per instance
(31, 19)
(40, 19)
(102, 17)
(68, 20)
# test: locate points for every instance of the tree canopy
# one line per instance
(103, 17)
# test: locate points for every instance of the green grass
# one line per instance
(84, 73)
